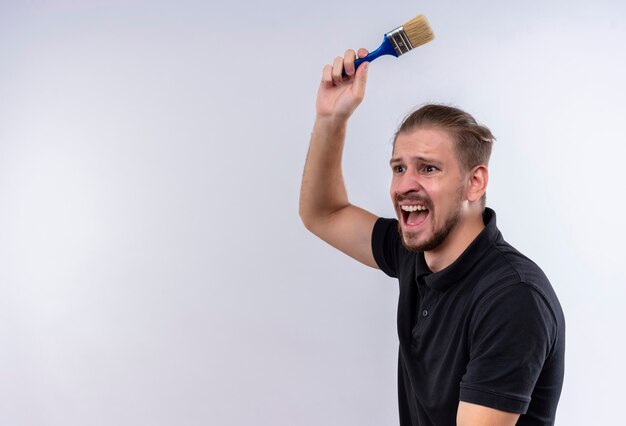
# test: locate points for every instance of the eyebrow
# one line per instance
(395, 160)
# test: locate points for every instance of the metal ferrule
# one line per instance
(399, 40)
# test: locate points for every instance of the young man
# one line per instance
(482, 334)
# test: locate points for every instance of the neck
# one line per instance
(460, 237)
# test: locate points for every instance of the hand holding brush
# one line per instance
(338, 95)
(403, 39)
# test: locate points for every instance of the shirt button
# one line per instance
(425, 313)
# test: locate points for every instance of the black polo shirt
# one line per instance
(488, 329)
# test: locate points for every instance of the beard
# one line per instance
(440, 234)
(438, 237)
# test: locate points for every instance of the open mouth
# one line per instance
(414, 214)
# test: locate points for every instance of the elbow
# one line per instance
(306, 219)
(306, 213)
(311, 218)
(316, 221)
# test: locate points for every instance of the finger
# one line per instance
(337, 70)
(362, 53)
(327, 75)
(360, 80)
(348, 62)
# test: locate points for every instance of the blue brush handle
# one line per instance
(386, 48)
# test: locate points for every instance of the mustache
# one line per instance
(414, 198)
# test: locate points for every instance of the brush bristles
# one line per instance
(418, 31)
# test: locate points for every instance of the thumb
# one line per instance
(360, 80)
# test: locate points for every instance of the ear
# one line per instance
(478, 178)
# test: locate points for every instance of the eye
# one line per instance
(399, 169)
(430, 169)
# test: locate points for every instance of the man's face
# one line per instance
(427, 188)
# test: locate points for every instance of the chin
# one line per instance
(413, 243)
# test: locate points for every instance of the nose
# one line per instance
(407, 182)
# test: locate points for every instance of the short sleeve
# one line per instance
(512, 333)
(385, 245)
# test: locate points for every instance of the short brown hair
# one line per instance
(473, 141)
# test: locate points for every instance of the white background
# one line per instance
(153, 268)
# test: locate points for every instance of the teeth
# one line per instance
(413, 208)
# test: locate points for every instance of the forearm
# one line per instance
(323, 191)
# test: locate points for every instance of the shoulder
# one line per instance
(513, 289)
(527, 274)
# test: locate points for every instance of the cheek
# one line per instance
(392, 189)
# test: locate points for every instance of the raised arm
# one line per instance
(324, 206)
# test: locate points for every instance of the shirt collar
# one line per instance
(458, 269)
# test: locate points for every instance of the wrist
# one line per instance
(331, 122)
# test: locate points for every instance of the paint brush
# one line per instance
(412, 34)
